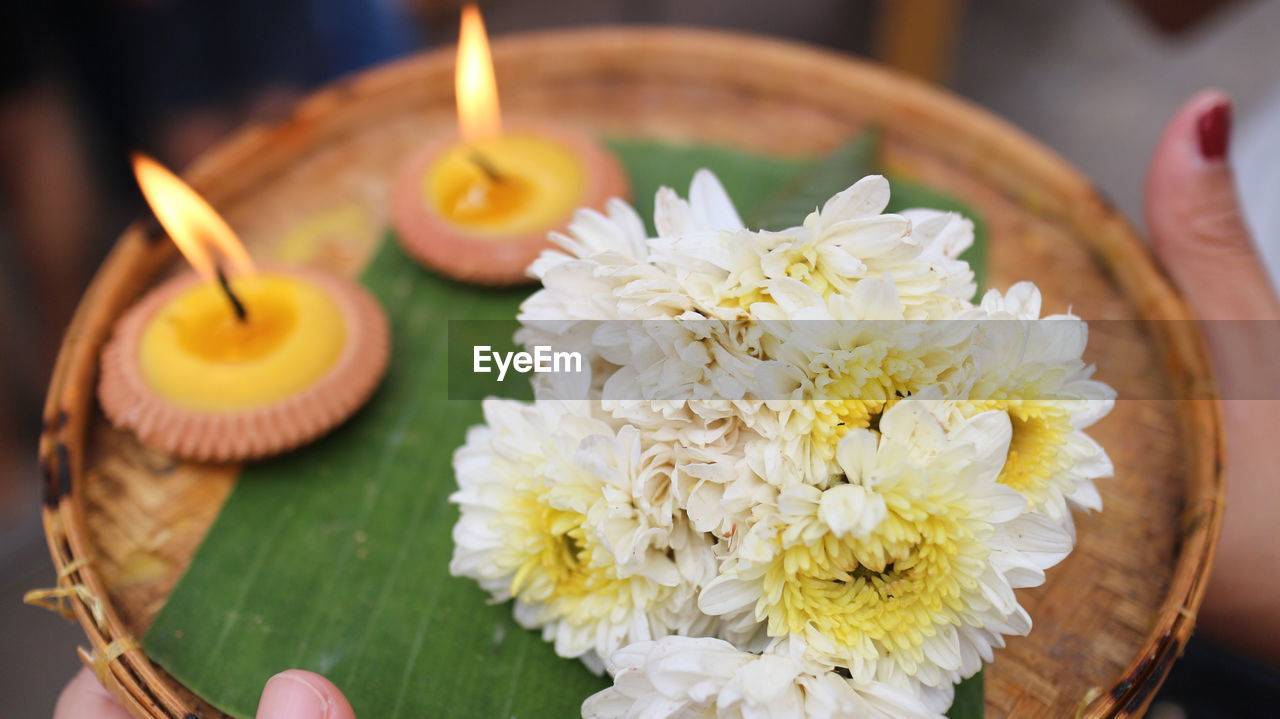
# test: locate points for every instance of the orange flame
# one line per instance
(474, 83)
(195, 227)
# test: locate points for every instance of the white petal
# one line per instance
(712, 208)
(727, 594)
(850, 509)
(868, 196)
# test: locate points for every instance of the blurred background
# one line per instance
(83, 82)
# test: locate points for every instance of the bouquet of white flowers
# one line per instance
(800, 473)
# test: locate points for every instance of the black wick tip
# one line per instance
(236, 305)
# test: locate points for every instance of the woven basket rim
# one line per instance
(1011, 156)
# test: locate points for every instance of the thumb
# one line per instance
(84, 698)
(298, 694)
(1194, 216)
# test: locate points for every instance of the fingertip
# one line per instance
(1194, 140)
(1182, 125)
(300, 694)
(341, 708)
(1194, 216)
(1203, 101)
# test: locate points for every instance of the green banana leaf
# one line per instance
(334, 558)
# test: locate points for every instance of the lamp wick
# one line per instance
(486, 166)
(236, 305)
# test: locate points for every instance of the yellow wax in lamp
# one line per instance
(540, 182)
(196, 353)
(216, 369)
(479, 207)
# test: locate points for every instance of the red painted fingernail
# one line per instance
(1214, 131)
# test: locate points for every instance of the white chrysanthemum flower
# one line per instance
(732, 273)
(1032, 368)
(906, 572)
(766, 457)
(599, 255)
(582, 285)
(576, 521)
(711, 481)
(608, 269)
(837, 370)
(686, 358)
(705, 267)
(674, 346)
(944, 236)
(684, 678)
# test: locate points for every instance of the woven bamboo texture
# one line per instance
(123, 520)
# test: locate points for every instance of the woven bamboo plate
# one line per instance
(123, 521)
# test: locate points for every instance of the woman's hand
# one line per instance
(1200, 237)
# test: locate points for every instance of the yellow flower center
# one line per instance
(801, 264)
(750, 296)
(854, 395)
(833, 418)
(1038, 448)
(560, 559)
(885, 593)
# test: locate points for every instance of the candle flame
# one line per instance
(474, 82)
(196, 228)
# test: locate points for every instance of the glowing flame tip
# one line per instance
(196, 228)
(474, 83)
